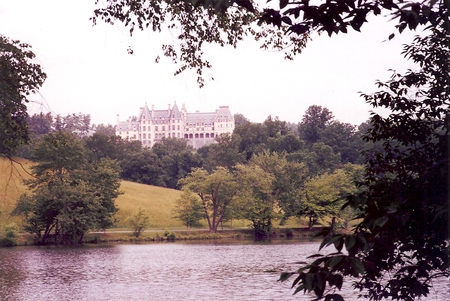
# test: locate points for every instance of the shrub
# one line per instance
(11, 234)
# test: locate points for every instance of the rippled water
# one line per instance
(156, 271)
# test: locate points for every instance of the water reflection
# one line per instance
(157, 271)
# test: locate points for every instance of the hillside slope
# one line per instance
(157, 201)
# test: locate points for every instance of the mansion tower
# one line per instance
(199, 129)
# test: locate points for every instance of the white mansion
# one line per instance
(199, 129)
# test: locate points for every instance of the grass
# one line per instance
(158, 202)
(12, 174)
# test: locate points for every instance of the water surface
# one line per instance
(157, 271)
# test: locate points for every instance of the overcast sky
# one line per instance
(90, 71)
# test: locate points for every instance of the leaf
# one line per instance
(335, 260)
(350, 242)
(391, 36)
(357, 266)
(315, 255)
(381, 221)
(283, 3)
(246, 4)
(285, 276)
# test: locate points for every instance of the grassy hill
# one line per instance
(157, 201)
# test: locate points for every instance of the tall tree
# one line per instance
(215, 189)
(255, 198)
(313, 123)
(400, 246)
(20, 77)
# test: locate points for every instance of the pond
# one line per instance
(212, 270)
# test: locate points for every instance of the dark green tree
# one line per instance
(313, 123)
(20, 77)
(400, 246)
(177, 160)
(67, 196)
(255, 198)
(142, 167)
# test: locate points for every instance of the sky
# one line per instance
(90, 71)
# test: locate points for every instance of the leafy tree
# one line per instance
(288, 182)
(252, 138)
(108, 130)
(142, 167)
(400, 245)
(78, 124)
(275, 127)
(288, 143)
(177, 160)
(325, 194)
(315, 120)
(215, 189)
(225, 152)
(40, 124)
(138, 221)
(100, 145)
(255, 198)
(240, 119)
(68, 196)
(189, 209)
(345, 140)
(20, 77)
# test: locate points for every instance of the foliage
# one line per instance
(20, 77)
(188, 209)
(11, 234)
(286, 26)
(139, 221)
(215, 190)
(195, 24)
(142, 167)
(68, 196)
(325, 194)
(225, 152)
(288, 181)
(254, 198)
(400, 245)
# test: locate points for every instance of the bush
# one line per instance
(11, 234)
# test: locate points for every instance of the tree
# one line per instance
(288, 182)
(255, 199)
(215, 189)
(189, 209)
(325, 194)
(315, 120)
(142, 167)
(177, 160)
(67, 196)
(138, 221)
(20, 77)
(225, 152)
(400, 245)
